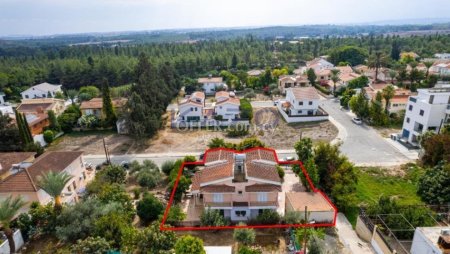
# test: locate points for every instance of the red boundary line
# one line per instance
(202, 162)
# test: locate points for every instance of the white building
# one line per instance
(191, 109)
(227, 105)
(42, 90)
(2, 98)
(431, 240)
(442, 56)
(301, 105)
(211, 84)
(428, 111)
(319, 64)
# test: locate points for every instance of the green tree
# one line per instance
(245, 236)
(216, 143)
(53, 183)
(112, 227)
(335, 78)
(303, 149)
(376, 111)
(54, 125)
(212, 217)
(311, 76)
(9, 207)
(188, 244)
(48, 136)
(175, 215)
(436, 148)
(108, 108)
(24, 130)
(434, 185)
(359, 105)
(167, 167)
(388, 93)
(359, 82)
(427, 64)
(115, 174)
(248, 143)
(395, 50)
(10, 137)
(149, 240)
(268, 217)
(351, 54)
(72, 94)
(149, 208)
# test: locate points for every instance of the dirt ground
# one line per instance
(267, 125)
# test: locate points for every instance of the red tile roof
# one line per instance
(305, 93)
(26, 180)
(97, 103)
(230, 100)
(313, 200)
(220, 188)
(8, 159)
(216, 172)
(263, 171)
(210, 80)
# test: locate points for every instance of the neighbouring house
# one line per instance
(442, 56)
(241, 185)
(344, 79)
(95, 106)
(227, 105)
(218, 249)
(383, 74)
(397, 103)
(429, 110)
(287, 81)
(441, 68)
(318, 64)
(24, 182)
(43, 90)
(360, 68)
(7, 110)
(211, 84)
(12, 162)
(434, 240)
(302, 105)
(317, 206)
(192, 108)
(41, 105)
(420, 66)
(255, 73)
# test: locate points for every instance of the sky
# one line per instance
(47, 17)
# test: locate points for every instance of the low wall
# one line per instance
(209, 123)
(362, 231)
(18, 240)
(300, 119)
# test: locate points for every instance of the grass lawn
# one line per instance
(373, 183)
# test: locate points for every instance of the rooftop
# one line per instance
(44, 87)
(432, 234)
(313, 200)
(97, 103)
(8, 159)
(210, 80)
(305, 93)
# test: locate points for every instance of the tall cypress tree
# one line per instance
(28, 134)
(108, 109)
(20, 127)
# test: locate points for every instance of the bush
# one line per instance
(188, 245)
(149, 208)
(268, 217)
(114, 174)
(93, 245)
(238, 130)
(48, 136)
(280, 171)
(148, 178)
(248, 250)
(212, 217)
(245, 236)
(175, 215)
(167, 166)
(246, 109)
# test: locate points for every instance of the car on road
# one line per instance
(289, 158)
(357, 120)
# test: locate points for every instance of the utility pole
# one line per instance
(108, 160)
(305, 237)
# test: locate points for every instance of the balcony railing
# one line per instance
(413, 99)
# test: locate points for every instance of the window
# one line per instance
(407, 119)
(262, 197)
(192, 109)
(69, 189)
(421, 112)
(300, 103)
(217, 197)
(431, 99)
(43, 95)
(74, 185)
(240, 192)
(84, 175)
(300, 111)
(240, 213)
(410, 108)
(26, 96)
(310, 103)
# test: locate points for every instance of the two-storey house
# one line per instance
(227, 105)
(211, 84)
(192, 108)
(43, 90)
(428, 111)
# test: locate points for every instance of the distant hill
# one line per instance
(192, 35)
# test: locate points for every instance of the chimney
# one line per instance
(239, 168)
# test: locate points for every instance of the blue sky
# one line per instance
(43, 17)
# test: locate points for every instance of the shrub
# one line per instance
(247, 250)
(280, 171)
(212, 217)
(238, 130)
(268, 216)
(148, 178)
(115, 174)
(93, 245)
(167, 166)
(245, 236)
(246, 109)
(175, 215)
(188, 245)
(149, 208)
(48, 136)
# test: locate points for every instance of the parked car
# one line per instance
(125, 164)
(357, 120)
(275, 103)
(289, 158)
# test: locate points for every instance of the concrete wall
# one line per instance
(362, 231)
(207, 123)
(300, 119)
(18, 241)
(379, 246)
(227, 110)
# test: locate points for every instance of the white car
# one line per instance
(289, 158)
(275, 103)
(357, 120)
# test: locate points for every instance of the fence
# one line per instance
(18, 240)
(323, 116)
(208, 123)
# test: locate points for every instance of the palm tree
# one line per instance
(428, 64)
(8, 209)
(335, 78)
(53, 183)
(392, 75)
(387, 93)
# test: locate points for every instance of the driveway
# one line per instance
(361, 143)
(349, 238)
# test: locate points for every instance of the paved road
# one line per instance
(349, 238)
(158, 158)
(361, 143)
